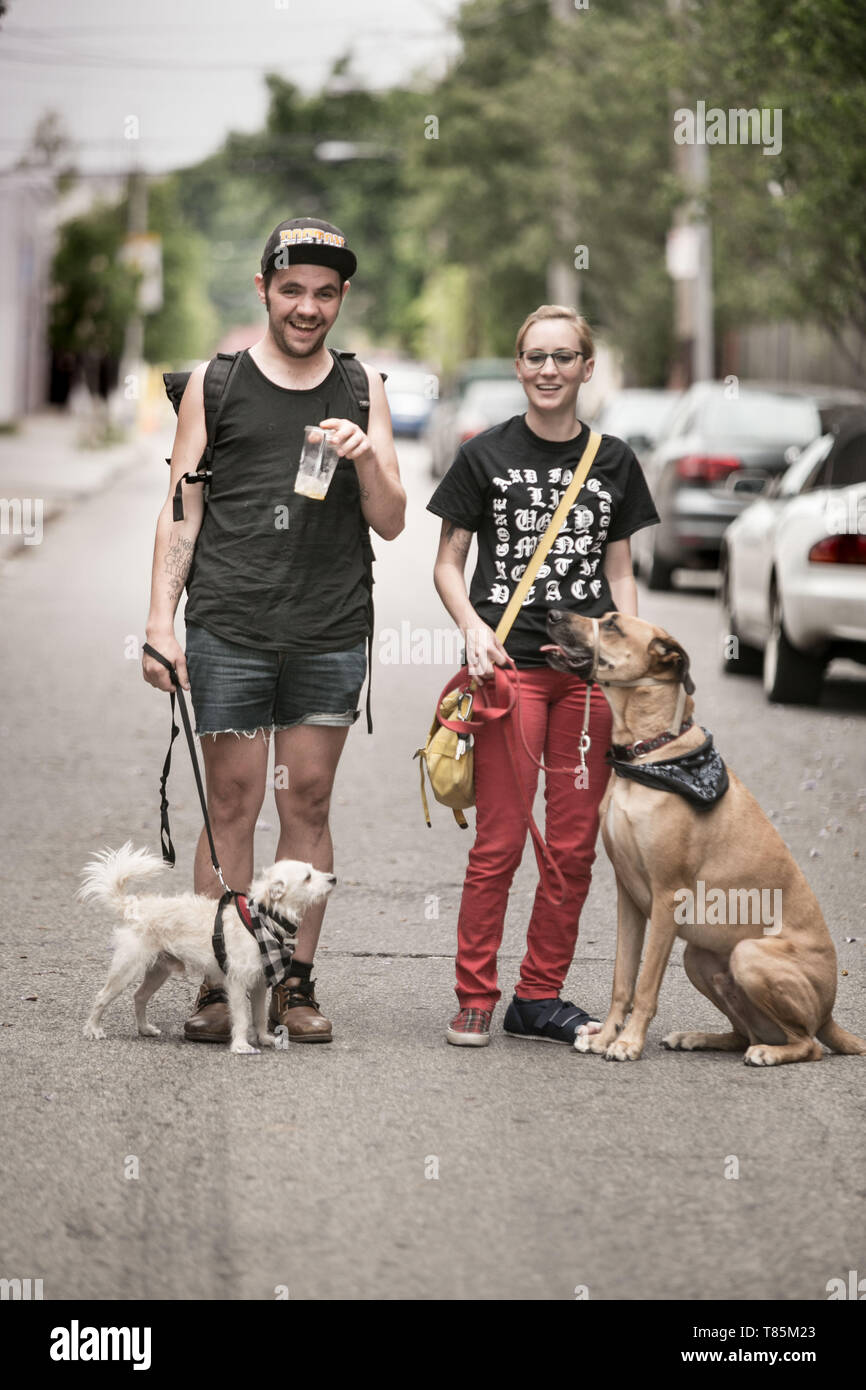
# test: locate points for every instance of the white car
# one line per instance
(794, 569)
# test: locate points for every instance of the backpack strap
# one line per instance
(217, 378)
(355, 381)
(354, 378)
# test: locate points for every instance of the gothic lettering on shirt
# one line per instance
(577, 550)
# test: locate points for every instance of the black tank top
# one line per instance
(271, 568)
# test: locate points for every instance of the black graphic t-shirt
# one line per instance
(505, 484)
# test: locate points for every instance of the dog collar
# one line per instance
(699, 775)
(629, 751)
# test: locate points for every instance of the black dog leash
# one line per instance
(168, 854)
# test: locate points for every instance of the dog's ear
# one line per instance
(671, 656)
(276, 888)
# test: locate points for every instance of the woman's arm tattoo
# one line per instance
(177, 562)
(458, 538)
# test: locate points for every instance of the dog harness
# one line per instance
(275, 935)
(699, 775)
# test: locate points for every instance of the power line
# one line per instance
(112, 61)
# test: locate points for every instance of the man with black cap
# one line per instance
(279, 608)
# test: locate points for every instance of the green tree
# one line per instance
(187, 325)
(93, 293)
(296, 167)
(530, 103)
(789, 229)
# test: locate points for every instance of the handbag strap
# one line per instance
(556, 522)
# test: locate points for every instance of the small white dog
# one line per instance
(163, 936)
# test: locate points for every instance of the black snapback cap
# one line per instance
(308, 240)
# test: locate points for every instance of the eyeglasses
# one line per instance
(534, 359)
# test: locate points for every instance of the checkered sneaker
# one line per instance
(470, 1028)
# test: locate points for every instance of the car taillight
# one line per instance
(847, 549)
(469, 432)
(706, 468)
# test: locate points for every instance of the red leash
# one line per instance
(499, 699)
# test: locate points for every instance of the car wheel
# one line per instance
(738, 658)
(791, 677)
(660, 575)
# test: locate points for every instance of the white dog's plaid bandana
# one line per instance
(274, 934)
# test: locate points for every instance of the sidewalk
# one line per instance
(43, 471)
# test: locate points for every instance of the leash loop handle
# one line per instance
(168, 851)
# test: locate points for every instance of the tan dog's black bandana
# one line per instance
(699, 775)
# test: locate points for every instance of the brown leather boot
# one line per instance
(211, 1021)
(295, 1008)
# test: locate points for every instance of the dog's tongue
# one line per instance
(552, 647)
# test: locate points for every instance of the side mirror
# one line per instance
(640, 443)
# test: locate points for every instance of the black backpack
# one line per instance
(217, 379)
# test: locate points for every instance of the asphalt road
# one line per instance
(307, 1168)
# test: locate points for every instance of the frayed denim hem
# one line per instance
(247, 733)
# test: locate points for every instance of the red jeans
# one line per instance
(552, 710)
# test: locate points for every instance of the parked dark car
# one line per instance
(442, 434)
(636, 415)
(717, 450)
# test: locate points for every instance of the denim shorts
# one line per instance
(240, 690)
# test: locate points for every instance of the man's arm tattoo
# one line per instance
(364, 493)
(177, 563)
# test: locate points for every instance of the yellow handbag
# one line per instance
(448, 758)
(447, 754)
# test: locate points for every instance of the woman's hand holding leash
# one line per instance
(484, 651)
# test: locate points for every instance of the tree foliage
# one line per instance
(791, 228)
(545, 134)
(94, 294)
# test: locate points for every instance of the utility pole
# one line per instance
(136, 225)
(563, 279)
(690, 262)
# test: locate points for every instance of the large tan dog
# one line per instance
(775, 982)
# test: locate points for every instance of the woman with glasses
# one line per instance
(503, 488)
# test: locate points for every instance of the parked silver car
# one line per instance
(713, 435)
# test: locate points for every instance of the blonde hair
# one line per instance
(559, 311)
